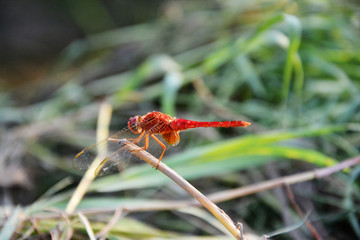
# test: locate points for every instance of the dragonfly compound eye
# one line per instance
(133, 124)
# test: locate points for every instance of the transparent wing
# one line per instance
(106, 150)
(111, 153)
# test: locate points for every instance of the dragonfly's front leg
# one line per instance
(137, 140)
(162, 145)
(147, 145)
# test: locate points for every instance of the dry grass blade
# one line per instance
(87, 225)
(215, 210)
(102, 133)
(102, 234)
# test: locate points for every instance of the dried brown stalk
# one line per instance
(301, 213)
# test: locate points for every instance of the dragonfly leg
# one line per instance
(146, 143)
(139, 138)
(162, 145)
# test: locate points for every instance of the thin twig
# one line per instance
(261, 186)
(301, 213)
(102, 234)
(215, 210)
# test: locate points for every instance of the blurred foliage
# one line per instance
(289, 67)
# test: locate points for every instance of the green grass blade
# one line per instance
(294, 27)
(172, 83)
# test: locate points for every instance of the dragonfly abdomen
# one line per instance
(183, 124)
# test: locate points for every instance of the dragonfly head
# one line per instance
(134, 124)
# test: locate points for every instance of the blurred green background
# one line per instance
(291, 68)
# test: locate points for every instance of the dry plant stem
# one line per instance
(300, 212)
(102, 133)
(323, 172)
(215, 210)
(103, 233)
(296, 178)
(262, 186)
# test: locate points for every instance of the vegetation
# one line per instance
(290, 68)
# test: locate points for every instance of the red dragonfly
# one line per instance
(138, 131)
